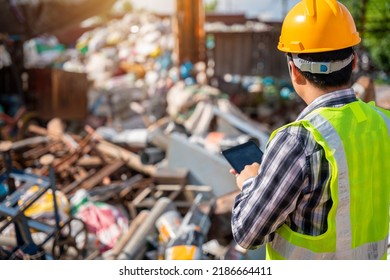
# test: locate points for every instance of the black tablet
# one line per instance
(243, 154)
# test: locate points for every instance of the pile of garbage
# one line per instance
(143, 178)
(132, 60)
(96, 199)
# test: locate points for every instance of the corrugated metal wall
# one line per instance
(248, 53)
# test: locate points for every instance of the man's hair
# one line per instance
(334, 79)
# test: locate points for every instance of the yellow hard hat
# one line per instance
(314, 26)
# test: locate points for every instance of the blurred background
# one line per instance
(134, 101)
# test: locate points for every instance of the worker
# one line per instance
(322, 190)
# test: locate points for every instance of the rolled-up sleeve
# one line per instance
(266, 200)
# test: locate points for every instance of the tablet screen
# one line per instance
(243, 154)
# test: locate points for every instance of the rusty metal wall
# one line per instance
(189, 30)
(59, 94)
(248, 53)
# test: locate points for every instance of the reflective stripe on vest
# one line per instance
(375, 250)
(386, 119)
(370, 251)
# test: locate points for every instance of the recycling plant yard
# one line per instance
(111, 131)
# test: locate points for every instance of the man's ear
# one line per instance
(296, 75)
(355, 60)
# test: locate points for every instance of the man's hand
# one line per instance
(248, 172)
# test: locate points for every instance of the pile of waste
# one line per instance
(143, 178)
(83, 196)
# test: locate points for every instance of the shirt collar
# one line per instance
(331, 99)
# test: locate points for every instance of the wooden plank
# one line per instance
(131, 159)
(77, 183)
(89, 161)
(171, 175)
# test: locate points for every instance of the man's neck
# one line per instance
(311, 93)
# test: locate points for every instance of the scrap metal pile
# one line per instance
(101, 189)
(166, 197)
(143, 178)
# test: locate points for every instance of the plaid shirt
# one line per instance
(292, 185)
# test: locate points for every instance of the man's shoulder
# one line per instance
(297, 132)
(296, 129)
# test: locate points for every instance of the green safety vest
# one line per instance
(356, 141)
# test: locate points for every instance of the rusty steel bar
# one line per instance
(39, 151)
(77, 183)
(73, 157)
(104, 172)
(112, 191)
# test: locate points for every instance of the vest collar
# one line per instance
(332, 99)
